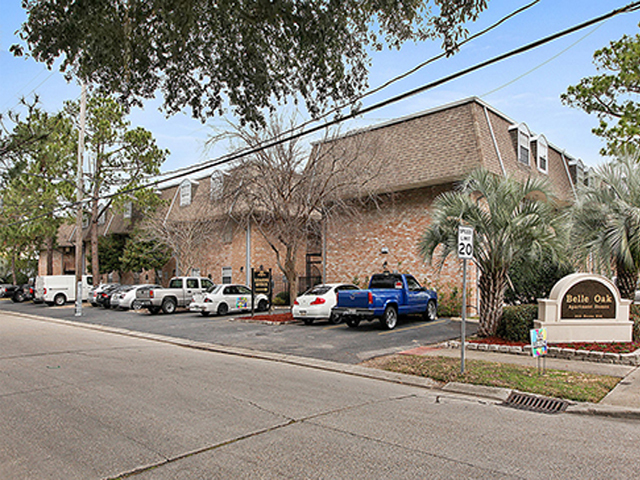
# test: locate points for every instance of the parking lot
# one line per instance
(320, 340)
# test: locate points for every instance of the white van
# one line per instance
(60, 289)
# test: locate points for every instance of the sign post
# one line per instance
(465, 252)
(539, 347)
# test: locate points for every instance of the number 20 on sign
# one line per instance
(465, 242)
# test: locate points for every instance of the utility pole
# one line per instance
(79, 198)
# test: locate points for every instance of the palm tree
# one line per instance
(511, 221)
(606, 221)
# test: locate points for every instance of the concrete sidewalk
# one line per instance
(623, 400)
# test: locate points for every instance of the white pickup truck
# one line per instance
(179, 294)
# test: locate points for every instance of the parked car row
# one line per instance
(388, 296)
(17, 293)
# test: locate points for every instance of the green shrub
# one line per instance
(516, 322)
(449, 301)
(634, 316)
(281, 299)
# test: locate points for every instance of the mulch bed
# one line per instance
(629, 347)
(272, 318)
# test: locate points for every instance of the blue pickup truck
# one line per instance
(389, 295)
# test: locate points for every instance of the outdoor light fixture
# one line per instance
(384, 251)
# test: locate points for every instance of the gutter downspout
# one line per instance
(247, 259)
(495, 142)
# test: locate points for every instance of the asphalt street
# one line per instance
(78, 403)
(323, 341)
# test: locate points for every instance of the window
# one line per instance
(227, 234)
(216, 185)
(413, 284)
(185, 193)
(206, 283)
(523, 144)
(192, 283)
(242, 290)
(128, 210)
(175, 283)
(542, 152)
(102, 218)
(226, 274)
(230, 290)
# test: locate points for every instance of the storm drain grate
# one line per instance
(532, 403)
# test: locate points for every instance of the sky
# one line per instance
(526, 87)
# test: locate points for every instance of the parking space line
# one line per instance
(413, 327)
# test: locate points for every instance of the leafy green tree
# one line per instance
(532, 280)
(43, 152)
(111, 251)
(144, 254)
(510, 222)
(120, 158)
(606, 221)
(201, 54)
(613, 94)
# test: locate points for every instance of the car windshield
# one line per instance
(214, 289)
(380, 281)
(318, 290)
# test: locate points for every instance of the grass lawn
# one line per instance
(575, 386)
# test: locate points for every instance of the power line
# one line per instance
(277, 141)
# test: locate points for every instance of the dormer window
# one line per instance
(102, 218)
(128, 210)
(217, 182)
(524, 137)
(542, 154)
(185, 193)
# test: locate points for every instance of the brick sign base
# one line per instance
(583, 307)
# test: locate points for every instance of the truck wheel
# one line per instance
(169, 305)
(390, 318)
(154, 310)
(59, 300)
(352, 322)
(223, 309)
(136, 305)
(431, 311)
(335, 319)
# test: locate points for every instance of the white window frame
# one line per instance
(185, 193)
(542, 153)
(216, 185)
(227, 275)
(128, 210)
(524, 143)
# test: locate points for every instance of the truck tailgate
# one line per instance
(354, 299)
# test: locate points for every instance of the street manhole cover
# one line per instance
(534, 403)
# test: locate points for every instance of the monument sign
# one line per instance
(583, 307)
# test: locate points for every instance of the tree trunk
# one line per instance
(492, 287)
(49, 247)
(292, 277)
(626, 280)
(13, 269)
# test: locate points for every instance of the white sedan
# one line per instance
(125, 300)
(316, 303)
(222, 299)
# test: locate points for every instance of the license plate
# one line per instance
(303, 313)
(351, 311)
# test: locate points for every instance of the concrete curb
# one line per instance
(491, 393)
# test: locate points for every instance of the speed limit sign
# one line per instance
(465, 242)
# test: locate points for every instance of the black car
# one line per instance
(103, 298)
(23, 293)
(6, 290)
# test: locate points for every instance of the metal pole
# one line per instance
(79, 195)
(464, 313)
